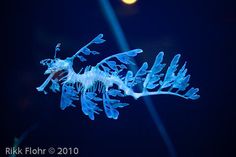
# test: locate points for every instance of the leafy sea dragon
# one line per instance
(96, 83)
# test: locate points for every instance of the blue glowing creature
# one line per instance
(111, 78)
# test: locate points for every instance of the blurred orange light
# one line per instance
(129, 2)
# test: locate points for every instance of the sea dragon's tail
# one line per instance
(154, 81)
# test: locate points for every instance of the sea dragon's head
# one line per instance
(54, 66)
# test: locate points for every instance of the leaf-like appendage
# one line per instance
(86, 51)
(120, 105)
(171, 80)
(81, 58)
(181, 81)
(57, 48)
(170, 74)
(87, 68)
(115, 92)
(98, 39)
(108, 103)
(106, 69)
(183, 84)
(88, 106)
(140, 73)
(122, 66)
(92, 96)
(55, 86)
(129, 78)
(153, 76)
(133, 53)
(124, 58)
(68, 95)
(94, 52)
(192, 93)
(153, 81)
(112, 65)
(143, 70)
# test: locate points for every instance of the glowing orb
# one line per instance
(129, 2)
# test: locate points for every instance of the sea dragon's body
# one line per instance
(102, 78)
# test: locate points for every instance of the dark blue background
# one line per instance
(202, 31)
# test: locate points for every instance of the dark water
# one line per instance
(202, 31)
